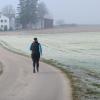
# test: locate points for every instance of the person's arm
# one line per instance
(40, 49)
(31, 47)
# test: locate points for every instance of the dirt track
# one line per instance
(19, 83)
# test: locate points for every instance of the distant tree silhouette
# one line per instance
(27, 12)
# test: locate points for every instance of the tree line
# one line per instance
(28, 12)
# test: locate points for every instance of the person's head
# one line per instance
(35, 40)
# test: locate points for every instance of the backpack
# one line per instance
(35, 48)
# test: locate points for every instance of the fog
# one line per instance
(71, 11)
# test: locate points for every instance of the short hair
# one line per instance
(35, 39)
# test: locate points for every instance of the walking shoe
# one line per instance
(34, 71)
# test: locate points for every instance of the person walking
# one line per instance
(36, 53)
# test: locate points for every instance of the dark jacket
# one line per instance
(36, 48)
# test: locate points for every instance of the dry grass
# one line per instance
(74, 29)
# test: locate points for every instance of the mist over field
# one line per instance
(69, 11)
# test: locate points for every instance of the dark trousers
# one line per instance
(35, 59)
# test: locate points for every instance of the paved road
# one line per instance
(19, 83)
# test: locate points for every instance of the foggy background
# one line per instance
(70, 11)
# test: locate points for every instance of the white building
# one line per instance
(4, 23)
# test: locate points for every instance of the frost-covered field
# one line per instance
(79, 49)
(76, 50)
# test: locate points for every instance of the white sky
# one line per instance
(71, 11)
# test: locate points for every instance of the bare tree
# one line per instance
(42, 11)
(8, 11)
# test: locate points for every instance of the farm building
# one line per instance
(44, 23)
(4, 23)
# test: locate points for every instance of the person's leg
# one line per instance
(34, 66)
(34, 61)
(37, 65)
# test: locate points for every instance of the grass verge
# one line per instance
(67, 73)
(82, 89)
